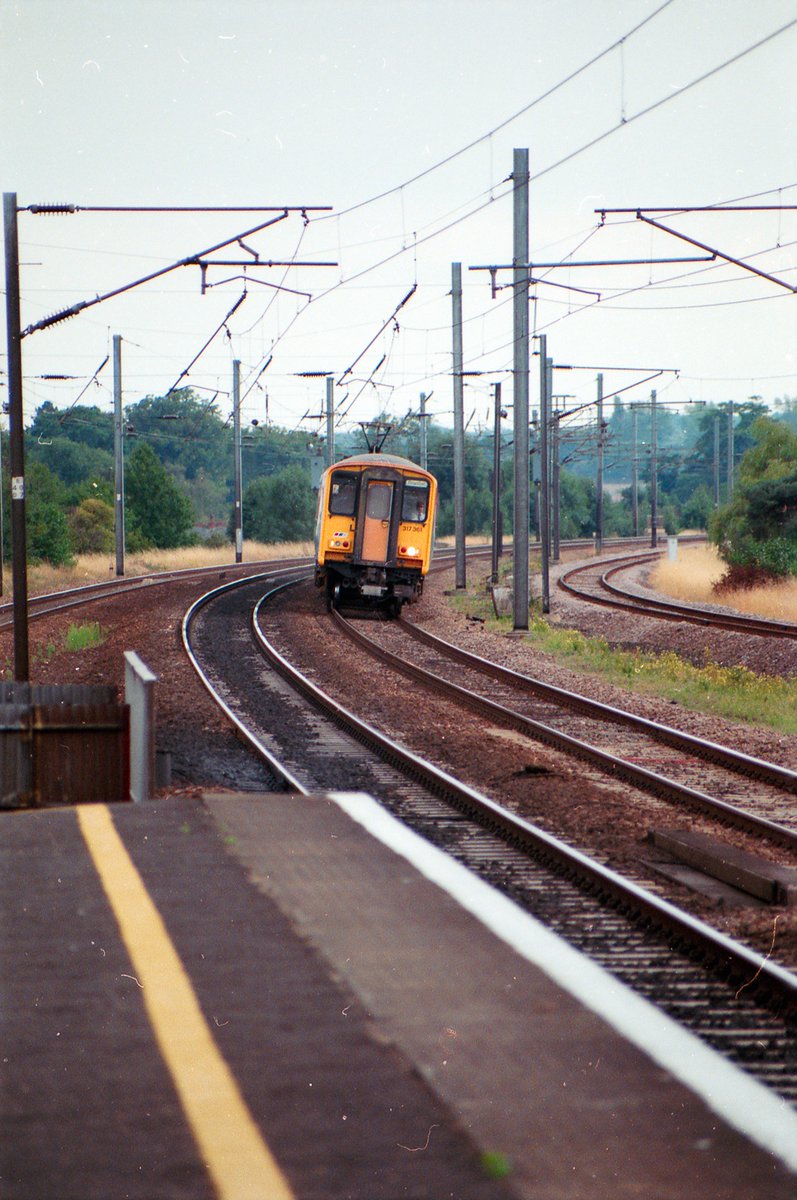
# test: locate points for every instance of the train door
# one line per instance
(376, 521)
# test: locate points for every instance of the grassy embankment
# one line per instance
(733, 692)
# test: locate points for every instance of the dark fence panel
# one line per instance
(62, 745)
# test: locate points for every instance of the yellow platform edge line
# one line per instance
(232, 1148)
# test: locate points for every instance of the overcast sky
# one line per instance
(362, 107)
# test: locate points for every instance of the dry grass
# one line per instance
(697, 568)
(94, 568)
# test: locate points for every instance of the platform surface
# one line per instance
(272, 996)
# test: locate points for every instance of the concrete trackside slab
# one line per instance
(534, 1073)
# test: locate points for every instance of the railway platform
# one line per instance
(259, 997)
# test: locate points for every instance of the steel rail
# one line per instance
(745, 624)
(666, 609)
(277, 768)
(614, 766)
(726, 756)
(51, 602)
(737, 962)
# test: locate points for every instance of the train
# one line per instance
(374, 531)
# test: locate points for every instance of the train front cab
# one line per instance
(376, 527)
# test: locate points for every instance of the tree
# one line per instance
(73, 462)
(697, 509)
(576, 506)
(82, 423)
(155, 507)
(278, 508)
(757, 532)
(91, 527)
(47, 532)
(187, 432)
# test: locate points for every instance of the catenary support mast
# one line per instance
(520, 282)
(459, 427)
(118, 458)
(16, 440)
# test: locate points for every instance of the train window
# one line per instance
(379, 501)
(343, 494)
(415, 504)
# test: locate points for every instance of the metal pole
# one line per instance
(634, 475)
(118, 458)
(236, 427)
(731, 451)
(654, 473)
(459, 427)
(545, 487)
(520, 285)
(534, 475)
(497, 539)
(16, 440)
(716, 462)
(556, 474)
(330, 421)
(2, 529)
(424, 456)
(599, 479)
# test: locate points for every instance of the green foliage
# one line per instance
(577, 505)
(758, 529)
(73, 462)
(278, 508)
(80, 424)
(209, 495)
(83, 637)
(696, 511)
(192, 442)
(478, 491)
(496, 1165)
(47, 532)
(186, 432)
(91, 527)
(155, 508)
(670, 519)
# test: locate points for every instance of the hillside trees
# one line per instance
(188, 434)
(70, 456)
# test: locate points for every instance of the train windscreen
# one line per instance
(415, 504)
(343, 494)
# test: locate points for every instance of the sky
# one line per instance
(387, 131)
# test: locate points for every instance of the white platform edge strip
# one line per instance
(746, 1105)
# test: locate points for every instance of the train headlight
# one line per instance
(409, 552)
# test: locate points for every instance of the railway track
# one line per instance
(48, 603)
(745, 792)
(598, 583)
(738, 1001)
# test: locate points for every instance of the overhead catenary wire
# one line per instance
(508, 120)
(561, 161)
(222, 325)
(413, 247)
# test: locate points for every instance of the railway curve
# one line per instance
(609, 918)
(597, 583)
